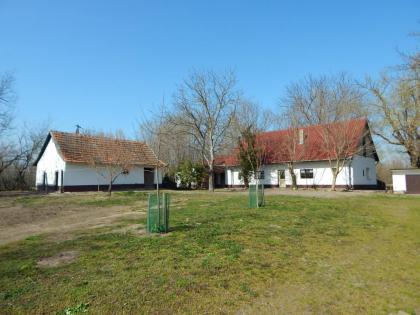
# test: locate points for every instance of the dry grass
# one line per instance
(61, 215)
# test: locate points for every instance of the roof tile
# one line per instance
(79, 148)
(313, 149)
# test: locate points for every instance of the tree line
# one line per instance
(19, 147)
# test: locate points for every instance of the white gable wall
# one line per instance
(364, 170)
(50, 162)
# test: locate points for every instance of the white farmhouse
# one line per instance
(312, 161)
(76, 162)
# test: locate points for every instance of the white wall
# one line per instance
(82, 174)
(50, 162)
(398, 183)
(232, 177)
(364, 170)
(322, 174)
(351, 174)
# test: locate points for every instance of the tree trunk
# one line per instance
(293, 175)
(110, 188)
(294, 183)
(334, 180)
(211, 179)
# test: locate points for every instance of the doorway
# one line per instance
(149, 177)
(44, 182)
(282, 178)
(219, 179)
(56, 181)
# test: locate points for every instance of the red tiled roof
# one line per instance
(79, 148)
(277, 144)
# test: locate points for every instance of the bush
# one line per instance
(190, 175)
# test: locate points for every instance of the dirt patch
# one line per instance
(18, 222)
(62, 258)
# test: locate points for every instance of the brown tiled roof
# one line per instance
(313, 149)
(87, 149)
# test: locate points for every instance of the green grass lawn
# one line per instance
(333, 256)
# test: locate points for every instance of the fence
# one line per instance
(158, 213)
(256, 196)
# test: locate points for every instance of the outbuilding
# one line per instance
(406, 181)
(78, 162)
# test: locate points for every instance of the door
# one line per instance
(222, 179)
(45, 182)
(149, 176)
(412, 183)
(56, 181)
(62, 182)
(282, 178)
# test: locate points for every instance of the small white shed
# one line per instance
(76, 162)
(406, 181)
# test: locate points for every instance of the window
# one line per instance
(282, 174)
(125, 172)
(307, 173)
(260, 175)
(367, 173)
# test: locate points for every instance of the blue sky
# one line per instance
(103, 64)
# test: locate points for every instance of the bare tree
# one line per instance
(30, 143)
(340, 141)
(7, 97)
(157, 136)
(176, 145)
(292, 150)
(249, 122)
(383, 170)
(111, 161)
(395, 107)
(251, 115)
(9, 154)
(206, 103)
(326, 101)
